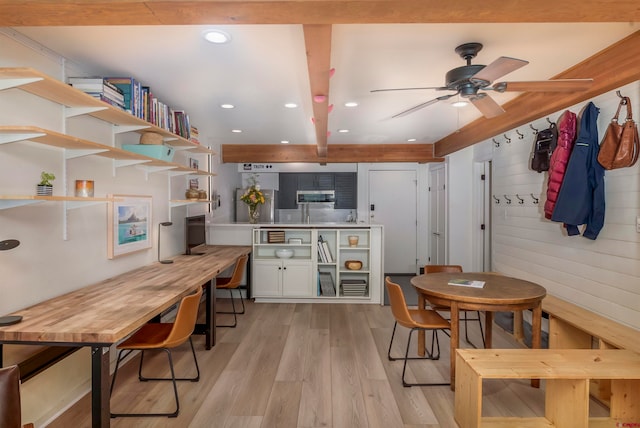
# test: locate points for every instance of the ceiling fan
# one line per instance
(469, 79)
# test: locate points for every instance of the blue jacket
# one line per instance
(581, 197)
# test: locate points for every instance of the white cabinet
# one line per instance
(317, 270)
(282, 278)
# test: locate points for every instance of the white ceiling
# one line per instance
(264, 66)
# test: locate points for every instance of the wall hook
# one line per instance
(520, 135)
(550, 123)
(507, 138)
(520, 200)
(535, 200)
(496, 199)
(624, 99)
(535, 131)
(507, 199)
(496, 143)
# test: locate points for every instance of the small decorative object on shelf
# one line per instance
(202, 194)
(84, 188)
(353, 241)
(353, 264)
(253, 197)
(284, 253)
(45, 187)
(192, 194)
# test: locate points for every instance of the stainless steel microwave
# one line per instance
(316, 196)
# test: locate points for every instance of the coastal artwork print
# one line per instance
(129, 228)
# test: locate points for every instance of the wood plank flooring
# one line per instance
(305, 366)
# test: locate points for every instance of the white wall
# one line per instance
(460, 209)
(601, 275)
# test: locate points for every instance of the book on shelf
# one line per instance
(321, 256)
(327, 286)
(325, 248)
(466, 283)
(130, 88)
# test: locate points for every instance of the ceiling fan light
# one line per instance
(459, 103)
(216, 36)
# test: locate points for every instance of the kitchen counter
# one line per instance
(333, 225)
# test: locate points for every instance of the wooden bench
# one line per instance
(573, 327)
(567, 373)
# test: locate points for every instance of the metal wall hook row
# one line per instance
(507, 138)
(520, 135)
(535, 131)
(507, 199)
(520, 200)
(496, 199)
(535, 200)
(550, 123)
(496, 143)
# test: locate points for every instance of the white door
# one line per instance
(393, 203)
(437, 216)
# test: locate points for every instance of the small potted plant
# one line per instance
(45, 187)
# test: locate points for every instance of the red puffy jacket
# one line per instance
(559, 159)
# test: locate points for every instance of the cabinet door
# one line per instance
(346, 186)
(266, 278)
(324, 181)
(288, 185)
(296, 279)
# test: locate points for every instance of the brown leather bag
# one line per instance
(620, 145)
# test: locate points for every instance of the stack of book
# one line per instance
(99, 88)
(194, 135)
(132, 91)
(353, 287)
(324, 254)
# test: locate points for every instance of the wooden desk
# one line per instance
(105, 313)
(500, 293)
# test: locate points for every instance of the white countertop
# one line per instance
(341, 225)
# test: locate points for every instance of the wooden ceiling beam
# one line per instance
(610, 68)
(207, 12)
(336, 153)
(317, 41)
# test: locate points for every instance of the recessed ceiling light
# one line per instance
(343, 131)
(411, 140)
(216, 36)
(351, 104)
(227, 106)
(291, 105)
(284, 142)
(236, 131)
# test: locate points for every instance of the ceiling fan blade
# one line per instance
(487, 106)
(498, 68)
(559, 85)
(440, 88)
(423, 105)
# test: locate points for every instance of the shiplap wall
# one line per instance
(601, 275)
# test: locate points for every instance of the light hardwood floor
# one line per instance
(305, 365)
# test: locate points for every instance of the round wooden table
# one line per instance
(500, 293)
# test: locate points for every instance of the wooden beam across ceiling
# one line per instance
(610, 68)
(317, 41)
(15, 13)
(336, 153)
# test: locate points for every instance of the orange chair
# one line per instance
(164, 336)
(10, 410)
(231, 284)
(454, 269)
(414, 319)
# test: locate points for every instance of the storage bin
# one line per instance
(159, 151)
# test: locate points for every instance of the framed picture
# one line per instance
(129, 228)
(193, 163)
